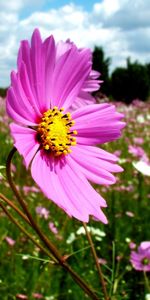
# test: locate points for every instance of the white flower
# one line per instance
(142, 167)
(71, 238)
(92, 230)
(140, 119)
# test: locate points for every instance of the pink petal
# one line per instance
(91, 84)
(24, 56)
(28, 83)
(83, 99)
(43, 167)
(97, 126)
(27, 88)
(100, 153)
(17, 106)
(38, 69)
(25, 141)
(60, 182)
(12, 111)
(49, 52)
(86, 110)
(71, 70)
(95, 169)
(85, 196)
(62, 47)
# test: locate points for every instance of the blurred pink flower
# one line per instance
(140, 260)
(138, 152)
(53, 228)
(119, 257)
(42, 212)
(13, 168)
(30, 189)
(10, 241)
(37, 296)
(21, 296)
(58, 142)
(117, 153)
(139, 140)
(132, 245)
(102, 261)
(129, 214)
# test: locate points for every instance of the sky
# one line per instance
(121, 27)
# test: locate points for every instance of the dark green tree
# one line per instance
(101, 64)
(148, 72)
(3, 92)
(130, 83)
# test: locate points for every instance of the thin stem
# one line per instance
(102, 281)
(146, 282)
(113, 270)
(26, 232)
(60, 259)
(45, 240)
(12, 205)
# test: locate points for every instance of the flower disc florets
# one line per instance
(145, 261)
(54, 132)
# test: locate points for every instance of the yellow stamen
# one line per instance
(54, 132)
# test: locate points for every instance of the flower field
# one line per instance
(26, 273)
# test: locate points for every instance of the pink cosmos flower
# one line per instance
(129, 214)
(136, 151)
(42, 212)
(140, 260)
(37, 296)
(138, 140)
(55, 140)
(132, 245)
(21, 296)
(52, 227)
(30, 189)
(102, 261)
(10, 241)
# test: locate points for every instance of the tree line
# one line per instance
(124, 84)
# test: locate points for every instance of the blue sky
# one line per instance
(45, 5)
(121, 27)
(57, 3)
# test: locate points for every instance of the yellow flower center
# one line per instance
(54, 132)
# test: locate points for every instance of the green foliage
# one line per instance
(148, 72)
(3, 92)
(130, 83)
(101, 64)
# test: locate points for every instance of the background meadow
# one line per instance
(25, 273)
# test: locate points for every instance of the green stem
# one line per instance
(146, 282)
(112, 287)
(60, 259)
(45, 240)
(12, 205)
(102, 281)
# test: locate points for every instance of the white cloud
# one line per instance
(12, 5)
(106, 8)
(122, 27)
